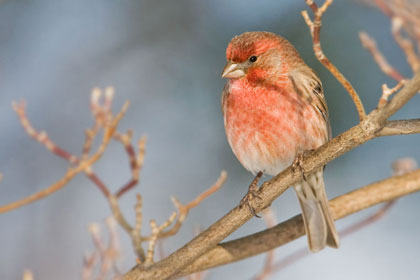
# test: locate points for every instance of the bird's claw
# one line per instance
(246, 200)
(253, 191)
(297, 164)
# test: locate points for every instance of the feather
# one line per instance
(307, 84)
(319, 224)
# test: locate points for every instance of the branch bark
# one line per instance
(400, 127)
(285, 232)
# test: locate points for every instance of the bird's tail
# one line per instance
(316, 214)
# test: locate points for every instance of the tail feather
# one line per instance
(319, 225)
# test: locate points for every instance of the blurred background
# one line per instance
(166, 58)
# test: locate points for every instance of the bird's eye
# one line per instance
(253, 58)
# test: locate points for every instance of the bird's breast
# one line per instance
(267, 125)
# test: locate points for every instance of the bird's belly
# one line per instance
(260, 146)
(268, 139)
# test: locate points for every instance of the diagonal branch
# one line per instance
(342, 206)
(41, 137)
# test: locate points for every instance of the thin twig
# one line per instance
(90, 135)
(102, 115)
(315, 28)
(135, 233)
(41, 137)
(72, 172)
(116, 212)
(89, 262)
(405, 44)
(136, 161)
(108, 254)
(156, 230)
(388, 92)
(370, 44)
(183, 210)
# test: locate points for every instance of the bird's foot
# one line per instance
(297, 163)
(253, 191)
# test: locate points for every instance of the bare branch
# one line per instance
(156, 230)
(72, 172)
(399, 100)
(89, 137)
(342, 206)
(136, 161)
(89, 262)
(404, 17)
(370, 44)
(41, 137)
(183, 210)
(135, 233)
(116, 212)
(387, 92)
(400, 127)
(315, 28)
(405, 44)
(108, 254)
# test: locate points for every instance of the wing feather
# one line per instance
(307, 84)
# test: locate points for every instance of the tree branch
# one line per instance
(400, 127)
(285, 232)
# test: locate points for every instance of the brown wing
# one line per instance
(307, 84)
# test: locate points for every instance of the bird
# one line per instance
(274, 111)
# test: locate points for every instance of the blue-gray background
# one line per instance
(166, 57)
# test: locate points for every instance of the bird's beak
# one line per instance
(233, 71)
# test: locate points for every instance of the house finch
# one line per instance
(274, 110)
